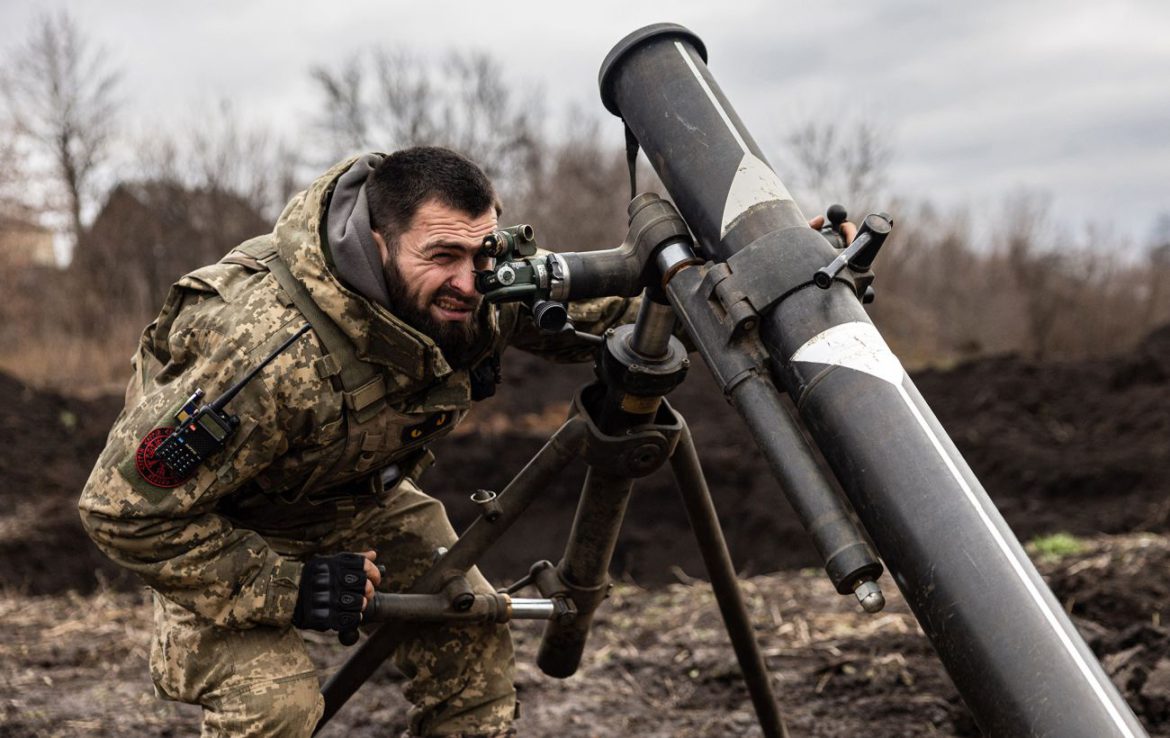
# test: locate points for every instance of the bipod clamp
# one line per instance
(635, 453)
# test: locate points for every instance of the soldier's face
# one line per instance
(431, 272)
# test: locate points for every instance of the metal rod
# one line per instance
(521, 492)
(847, 557)
(606, 492)
(823, 512)
(713, 547)
(437, 608)
(530, 608)
(653, 329)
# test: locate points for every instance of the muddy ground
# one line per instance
(1081, 447)
(658, 662)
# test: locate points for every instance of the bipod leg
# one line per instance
(584, 570)
(615, 460)
(533, 479)
(632, 432)
(713, 547)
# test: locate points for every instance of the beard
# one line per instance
(458, 340)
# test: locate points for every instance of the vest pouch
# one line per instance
(391, 436)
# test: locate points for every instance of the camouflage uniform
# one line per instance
(223, 550)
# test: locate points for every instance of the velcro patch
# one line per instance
(153, 469)
(429, 427)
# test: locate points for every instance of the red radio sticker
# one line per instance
(152, 469)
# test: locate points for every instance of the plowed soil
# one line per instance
(1078, 447)
(658, 662)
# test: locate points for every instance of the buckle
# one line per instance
(327, 366)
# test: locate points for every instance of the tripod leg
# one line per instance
(585, 568)
(532, 480)
(713, 547)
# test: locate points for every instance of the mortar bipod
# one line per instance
(630, 430)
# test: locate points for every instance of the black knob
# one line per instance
(836, 215)
(549, 315)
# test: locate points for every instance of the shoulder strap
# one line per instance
(363, 384)
(250, 253)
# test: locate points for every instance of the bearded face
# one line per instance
(430, 272)
(457, 338)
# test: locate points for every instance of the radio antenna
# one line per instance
(234, 390)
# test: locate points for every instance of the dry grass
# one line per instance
(80, 364)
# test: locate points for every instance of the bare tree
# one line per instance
(383, 101)
(577, 196)
(223, 153)
(197, 192)
(1156, 288)
(60, 93)
(408, 88)
(1037, 267)
(345, 116)
(246, 161)
(831, 162)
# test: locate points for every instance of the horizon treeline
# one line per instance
(140, 209)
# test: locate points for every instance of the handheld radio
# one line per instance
(200, 431)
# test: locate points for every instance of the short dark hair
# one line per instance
(406, 179)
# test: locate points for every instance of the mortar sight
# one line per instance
(510, 243)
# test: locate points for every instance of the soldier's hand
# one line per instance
(334, 590)
(373, 576)
(848, 230)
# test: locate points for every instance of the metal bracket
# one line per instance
(638, 453)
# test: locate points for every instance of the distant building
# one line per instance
(149, 234)
(24, 243)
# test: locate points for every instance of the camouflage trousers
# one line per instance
(260, 682)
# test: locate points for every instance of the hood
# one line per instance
(378, 335)
(352, 252)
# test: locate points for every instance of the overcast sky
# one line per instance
(978, 99)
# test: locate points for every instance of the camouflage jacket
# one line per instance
(208, 544)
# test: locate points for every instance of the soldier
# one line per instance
(321, 476)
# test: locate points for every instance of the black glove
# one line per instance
(331, 592)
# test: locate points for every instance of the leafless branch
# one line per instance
(60, 92)
(463, 103)
(827, 162)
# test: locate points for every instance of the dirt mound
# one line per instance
(1081, 447)
(1117, 594)
(48, 444)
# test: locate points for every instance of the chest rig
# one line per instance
(386, 431)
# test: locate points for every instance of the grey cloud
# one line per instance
(1065, 95)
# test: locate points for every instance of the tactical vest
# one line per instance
(370, 408)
